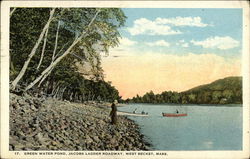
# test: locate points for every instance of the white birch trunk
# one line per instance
(13, 10)
(57, 31)
(44, 77)
(24, 68)
(70, 98)
(53, 56)
(44, 46)
(61, 57)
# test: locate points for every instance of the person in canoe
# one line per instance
(135, 110)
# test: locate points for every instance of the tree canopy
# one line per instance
(47, 46)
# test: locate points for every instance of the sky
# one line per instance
(163, 49)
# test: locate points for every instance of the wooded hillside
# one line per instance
(222, 91)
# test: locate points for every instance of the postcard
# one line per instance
(125, 79)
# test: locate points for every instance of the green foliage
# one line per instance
(65, 81)
(223, 91)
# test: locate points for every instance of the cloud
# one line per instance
(222, 43)
(158, 43)
(127, 42)
(185, 45)
(148, 27)
(182, 43)
(163, 26)
(182, 21)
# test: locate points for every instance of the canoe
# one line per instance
(130, 114)
(174, 114)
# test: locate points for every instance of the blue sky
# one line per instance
(225, 24)
(164, 49)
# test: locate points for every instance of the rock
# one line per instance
(15, 105)
(78, 148)
(41, 139)
(88, 139)
(57, 125)
(113, 142)
(54, 143)
(18, 147)
(96, 138)
(108, 136)
(32, 107)
(11, 147)
(131, 139)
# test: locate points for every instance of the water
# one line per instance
(205, 127)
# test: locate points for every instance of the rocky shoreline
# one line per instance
(48, 124)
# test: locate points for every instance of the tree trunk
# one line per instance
(63, 90)
(54, 52)
(26, 63)
(53, 56)
(70, 97)
(44, 46)
(76, 96)
(93, 97)
(83, 97)
(56, 92)
(47, 87)
(12, 11)
(44, 77)
(88, 96)
(55, 86)
(61, 57)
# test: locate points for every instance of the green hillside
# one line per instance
(222, 91)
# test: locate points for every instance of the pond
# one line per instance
(206, 127)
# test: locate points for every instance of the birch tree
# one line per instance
(72, 33)
(102, 28)
(32, 53)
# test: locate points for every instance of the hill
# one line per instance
(222, 91)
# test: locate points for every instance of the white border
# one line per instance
(5, 5)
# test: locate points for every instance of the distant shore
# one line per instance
(176, 104)
(48, 124)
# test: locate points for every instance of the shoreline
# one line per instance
(49, 124)
(188, 105)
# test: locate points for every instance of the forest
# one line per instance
(56, 52)
(222, 91)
